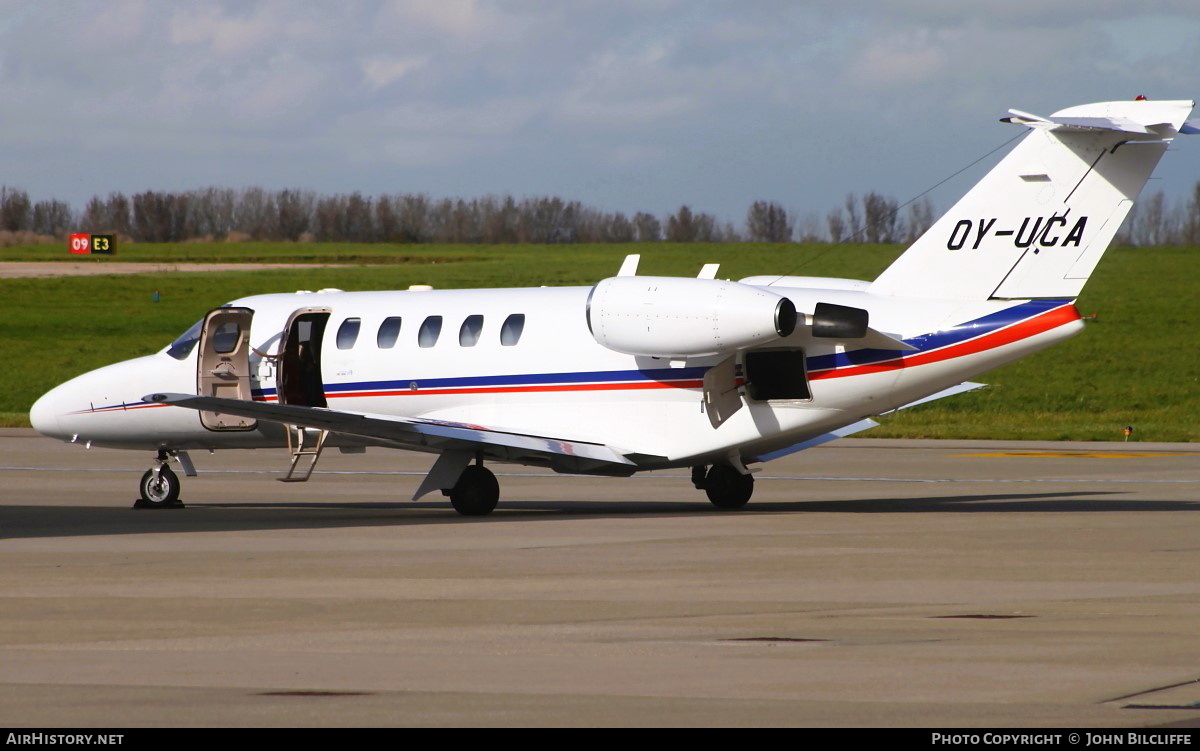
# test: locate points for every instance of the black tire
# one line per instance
(160, 488)
(476, 493)
(727, 488)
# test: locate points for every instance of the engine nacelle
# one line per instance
(664, 316)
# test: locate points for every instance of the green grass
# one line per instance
(1133, 366)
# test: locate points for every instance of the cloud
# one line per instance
(913, 57)
(461, 18)
(224, 33)
(383, 70)
(425, 133)
(689, 101)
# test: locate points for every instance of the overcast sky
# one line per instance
(623, 105)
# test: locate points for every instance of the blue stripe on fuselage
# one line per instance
(938, 339)
(923, 343)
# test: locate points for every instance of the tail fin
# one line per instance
(1037, 224)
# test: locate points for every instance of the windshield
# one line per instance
(183, 346)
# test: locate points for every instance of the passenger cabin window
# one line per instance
(347, 333)
(468, 334)
(510, 332)
(389, 330)
(431, 329)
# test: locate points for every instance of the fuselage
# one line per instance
(525, 361)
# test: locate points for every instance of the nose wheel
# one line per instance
(160, 486)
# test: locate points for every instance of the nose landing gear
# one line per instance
(160, 486)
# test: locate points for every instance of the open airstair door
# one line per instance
(299, 383)
(299, 380)
(223, 367)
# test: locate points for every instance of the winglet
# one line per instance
(629, 265)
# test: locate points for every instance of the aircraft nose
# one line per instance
(43, 415)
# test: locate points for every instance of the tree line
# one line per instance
(1155, 220)
(226, 214)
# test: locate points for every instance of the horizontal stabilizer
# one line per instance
(1121, 124)
(961, 388)
(832, 435)
(862, 425)
(436, 435)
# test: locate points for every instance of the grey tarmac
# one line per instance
(868, 583)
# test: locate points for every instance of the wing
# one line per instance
(416, 433)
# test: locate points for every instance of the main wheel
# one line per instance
(476, 493)
(727, 488)
(160, 488)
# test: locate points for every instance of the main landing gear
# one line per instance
(160, 486)
(476, 493)
(726, 488)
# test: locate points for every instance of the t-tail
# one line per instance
(1038, 223)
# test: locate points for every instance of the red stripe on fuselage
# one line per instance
(1038, 324)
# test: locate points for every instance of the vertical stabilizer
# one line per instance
(1037, 224)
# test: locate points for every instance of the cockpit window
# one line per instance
(183, 346)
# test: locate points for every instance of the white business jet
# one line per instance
(640, 373)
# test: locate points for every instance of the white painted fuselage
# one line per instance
(555, 380)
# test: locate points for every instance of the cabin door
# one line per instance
(223, 367)
(298, 379)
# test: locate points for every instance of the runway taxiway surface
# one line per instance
(868, 583)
